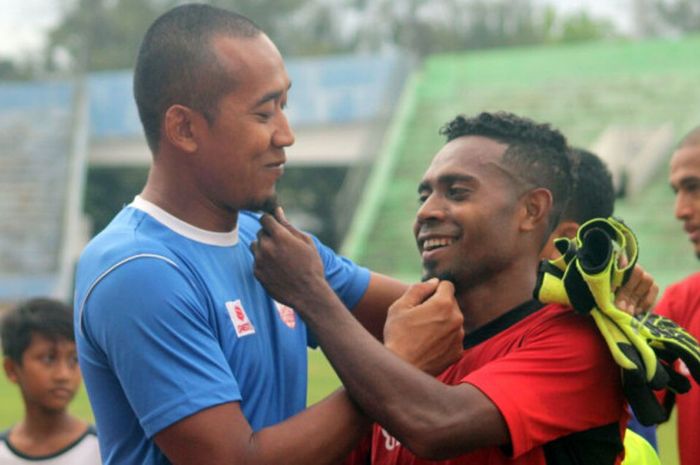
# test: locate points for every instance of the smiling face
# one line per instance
(466, 227)
(48, 375)
(685, 181)
(241, 153)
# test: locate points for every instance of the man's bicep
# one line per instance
(220, 434)
(366, 293)
(148, 320)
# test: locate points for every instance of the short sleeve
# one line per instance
(154, 330)
(346, 278)
(560, 381)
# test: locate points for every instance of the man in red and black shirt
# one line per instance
(681, 301)
(536, 384)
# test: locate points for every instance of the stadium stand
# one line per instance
(51, 131)
(583, 89)
(42, 141)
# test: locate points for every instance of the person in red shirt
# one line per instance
(681, 301)
(536, 383)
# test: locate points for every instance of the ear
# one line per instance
(537, 204)
(10, 369)
(181, 126)
(566, 228)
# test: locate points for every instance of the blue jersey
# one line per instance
(170, 320)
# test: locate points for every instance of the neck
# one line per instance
(41, 423)
(173, 191)
(490, 299)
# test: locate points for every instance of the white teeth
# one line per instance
(431, 244)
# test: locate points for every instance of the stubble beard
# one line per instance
(268, 205)
(463, 278)
(430, 272)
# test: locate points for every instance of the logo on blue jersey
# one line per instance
(287, 315)
(239, 318)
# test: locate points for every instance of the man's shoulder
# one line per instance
(557, 314)
(690, 283)
(680, 299)
(121, 241)
(555, 320)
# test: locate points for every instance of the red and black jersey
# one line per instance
(681, 303)
(549, 372)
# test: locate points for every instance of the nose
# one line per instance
(682, 206)
(63, 370)
(283, 135)
(432, 209)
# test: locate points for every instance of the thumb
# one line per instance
(418, 293)
(445, 288)
(282, 219)
(280, 216)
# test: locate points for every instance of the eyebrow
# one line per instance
(684, 181)
(274, 95)
(446, 180)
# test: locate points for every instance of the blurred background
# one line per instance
(373, 82)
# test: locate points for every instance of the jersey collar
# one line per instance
(221, 239)
(501, 323)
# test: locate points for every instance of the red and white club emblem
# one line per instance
(287, 315)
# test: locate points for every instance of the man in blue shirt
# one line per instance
(186, 357)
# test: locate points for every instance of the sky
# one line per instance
(24, 23)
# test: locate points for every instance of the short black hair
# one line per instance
(536, 151)
(177, 63)
(50, 318)
(691, 139)
(593, 193)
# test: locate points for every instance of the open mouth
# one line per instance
(437, 243)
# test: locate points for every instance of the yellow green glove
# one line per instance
(592, 267)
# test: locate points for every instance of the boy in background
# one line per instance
(39, 351)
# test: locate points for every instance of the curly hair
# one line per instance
(177, 63)
(48, 317)
(537, 152)
(593, 193)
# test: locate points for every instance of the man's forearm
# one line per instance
(389, 390)
(323, 434)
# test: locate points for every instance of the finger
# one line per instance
(624, 297)
(417, 293)
(279, 222)
(254, 249)
(280, 216)
(644, 283)
(649, 299)
(269, 224)
(622, 260)
(445, 292)
(445, 288)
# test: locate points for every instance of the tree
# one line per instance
(102, 34)
(681, 16)
(581, 26)
(105, 34)
(12, 71)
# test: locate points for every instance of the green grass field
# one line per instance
(322, 381)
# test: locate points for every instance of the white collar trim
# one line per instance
(222, 239)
